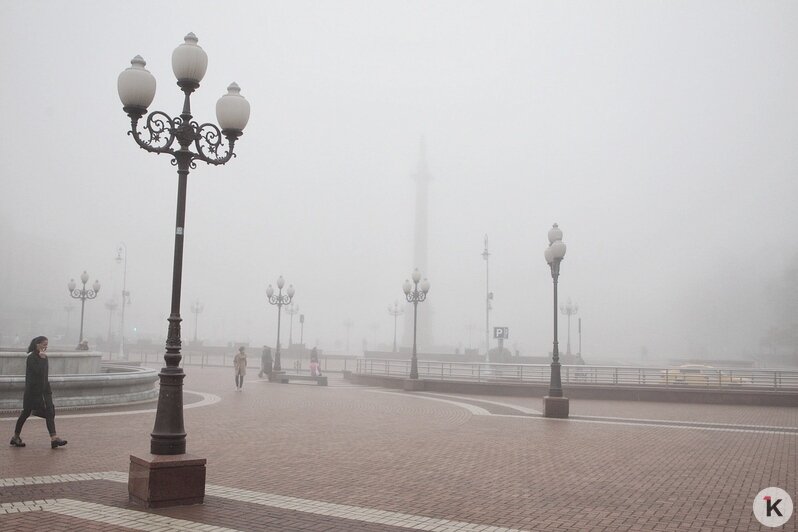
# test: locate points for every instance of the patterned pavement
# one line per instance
(307, 457)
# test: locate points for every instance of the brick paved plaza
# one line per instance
(306, 457)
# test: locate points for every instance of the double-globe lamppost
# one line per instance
(83, 294)
(554, 404)
(158, 135)
(395, 311)
(121, 257)
(279, 300)
(415, 296)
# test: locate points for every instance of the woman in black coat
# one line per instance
(38, 395)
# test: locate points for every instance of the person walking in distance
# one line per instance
(38, 397)
(315, 367)
(265, 362)
(240, 365)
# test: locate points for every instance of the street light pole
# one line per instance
(554, 404)
(279, 300)
(302, 330)
(196, 308)
(485, 256)
(136, 88)
(395, 311)
(83, 294)
(569, 309)
(125, 298)
(111, 305)
(291, 310)
(415, 296)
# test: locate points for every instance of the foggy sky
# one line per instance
(660, 136)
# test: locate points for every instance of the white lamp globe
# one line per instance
(555, 233)
(232, 109)
(136, 85)
(189, 61)
(558, 250)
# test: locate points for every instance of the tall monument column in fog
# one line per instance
(424, 327)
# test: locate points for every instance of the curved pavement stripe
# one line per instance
(475, 410)
(101, 513)
(207, 399)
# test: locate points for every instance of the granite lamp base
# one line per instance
(160, 481)
(555, 407)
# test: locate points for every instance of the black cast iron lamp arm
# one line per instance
(415, 296)
(137, 90)
(279, 300)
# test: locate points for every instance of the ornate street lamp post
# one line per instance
(136, 88)
(279, 300)
(395, 311)
(120, 257)
(196, 309)
(569, 309)
(415, 296)
(83, 294)
(554, 404)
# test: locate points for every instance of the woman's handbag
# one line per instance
(47, 411)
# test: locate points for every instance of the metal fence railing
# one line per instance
(333, 364)
(690, 376)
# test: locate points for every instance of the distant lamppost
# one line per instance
(196, 309)
(291, 309)
(415, 296)
(569, 309)
(302, 330)
(136, 87)
(488, 297)
(395, 311)
(111, 305)
(120, 257)
(83, 294)
(554, 404)
(280, 300)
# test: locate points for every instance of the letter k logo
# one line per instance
(774, 507)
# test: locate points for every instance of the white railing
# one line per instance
(596, 375)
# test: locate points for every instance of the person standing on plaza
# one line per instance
(265, 362)
(240, 365)
(38, 397)
(315, 367)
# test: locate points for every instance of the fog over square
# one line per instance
(660, 137)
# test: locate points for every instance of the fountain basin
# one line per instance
(112, 384)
